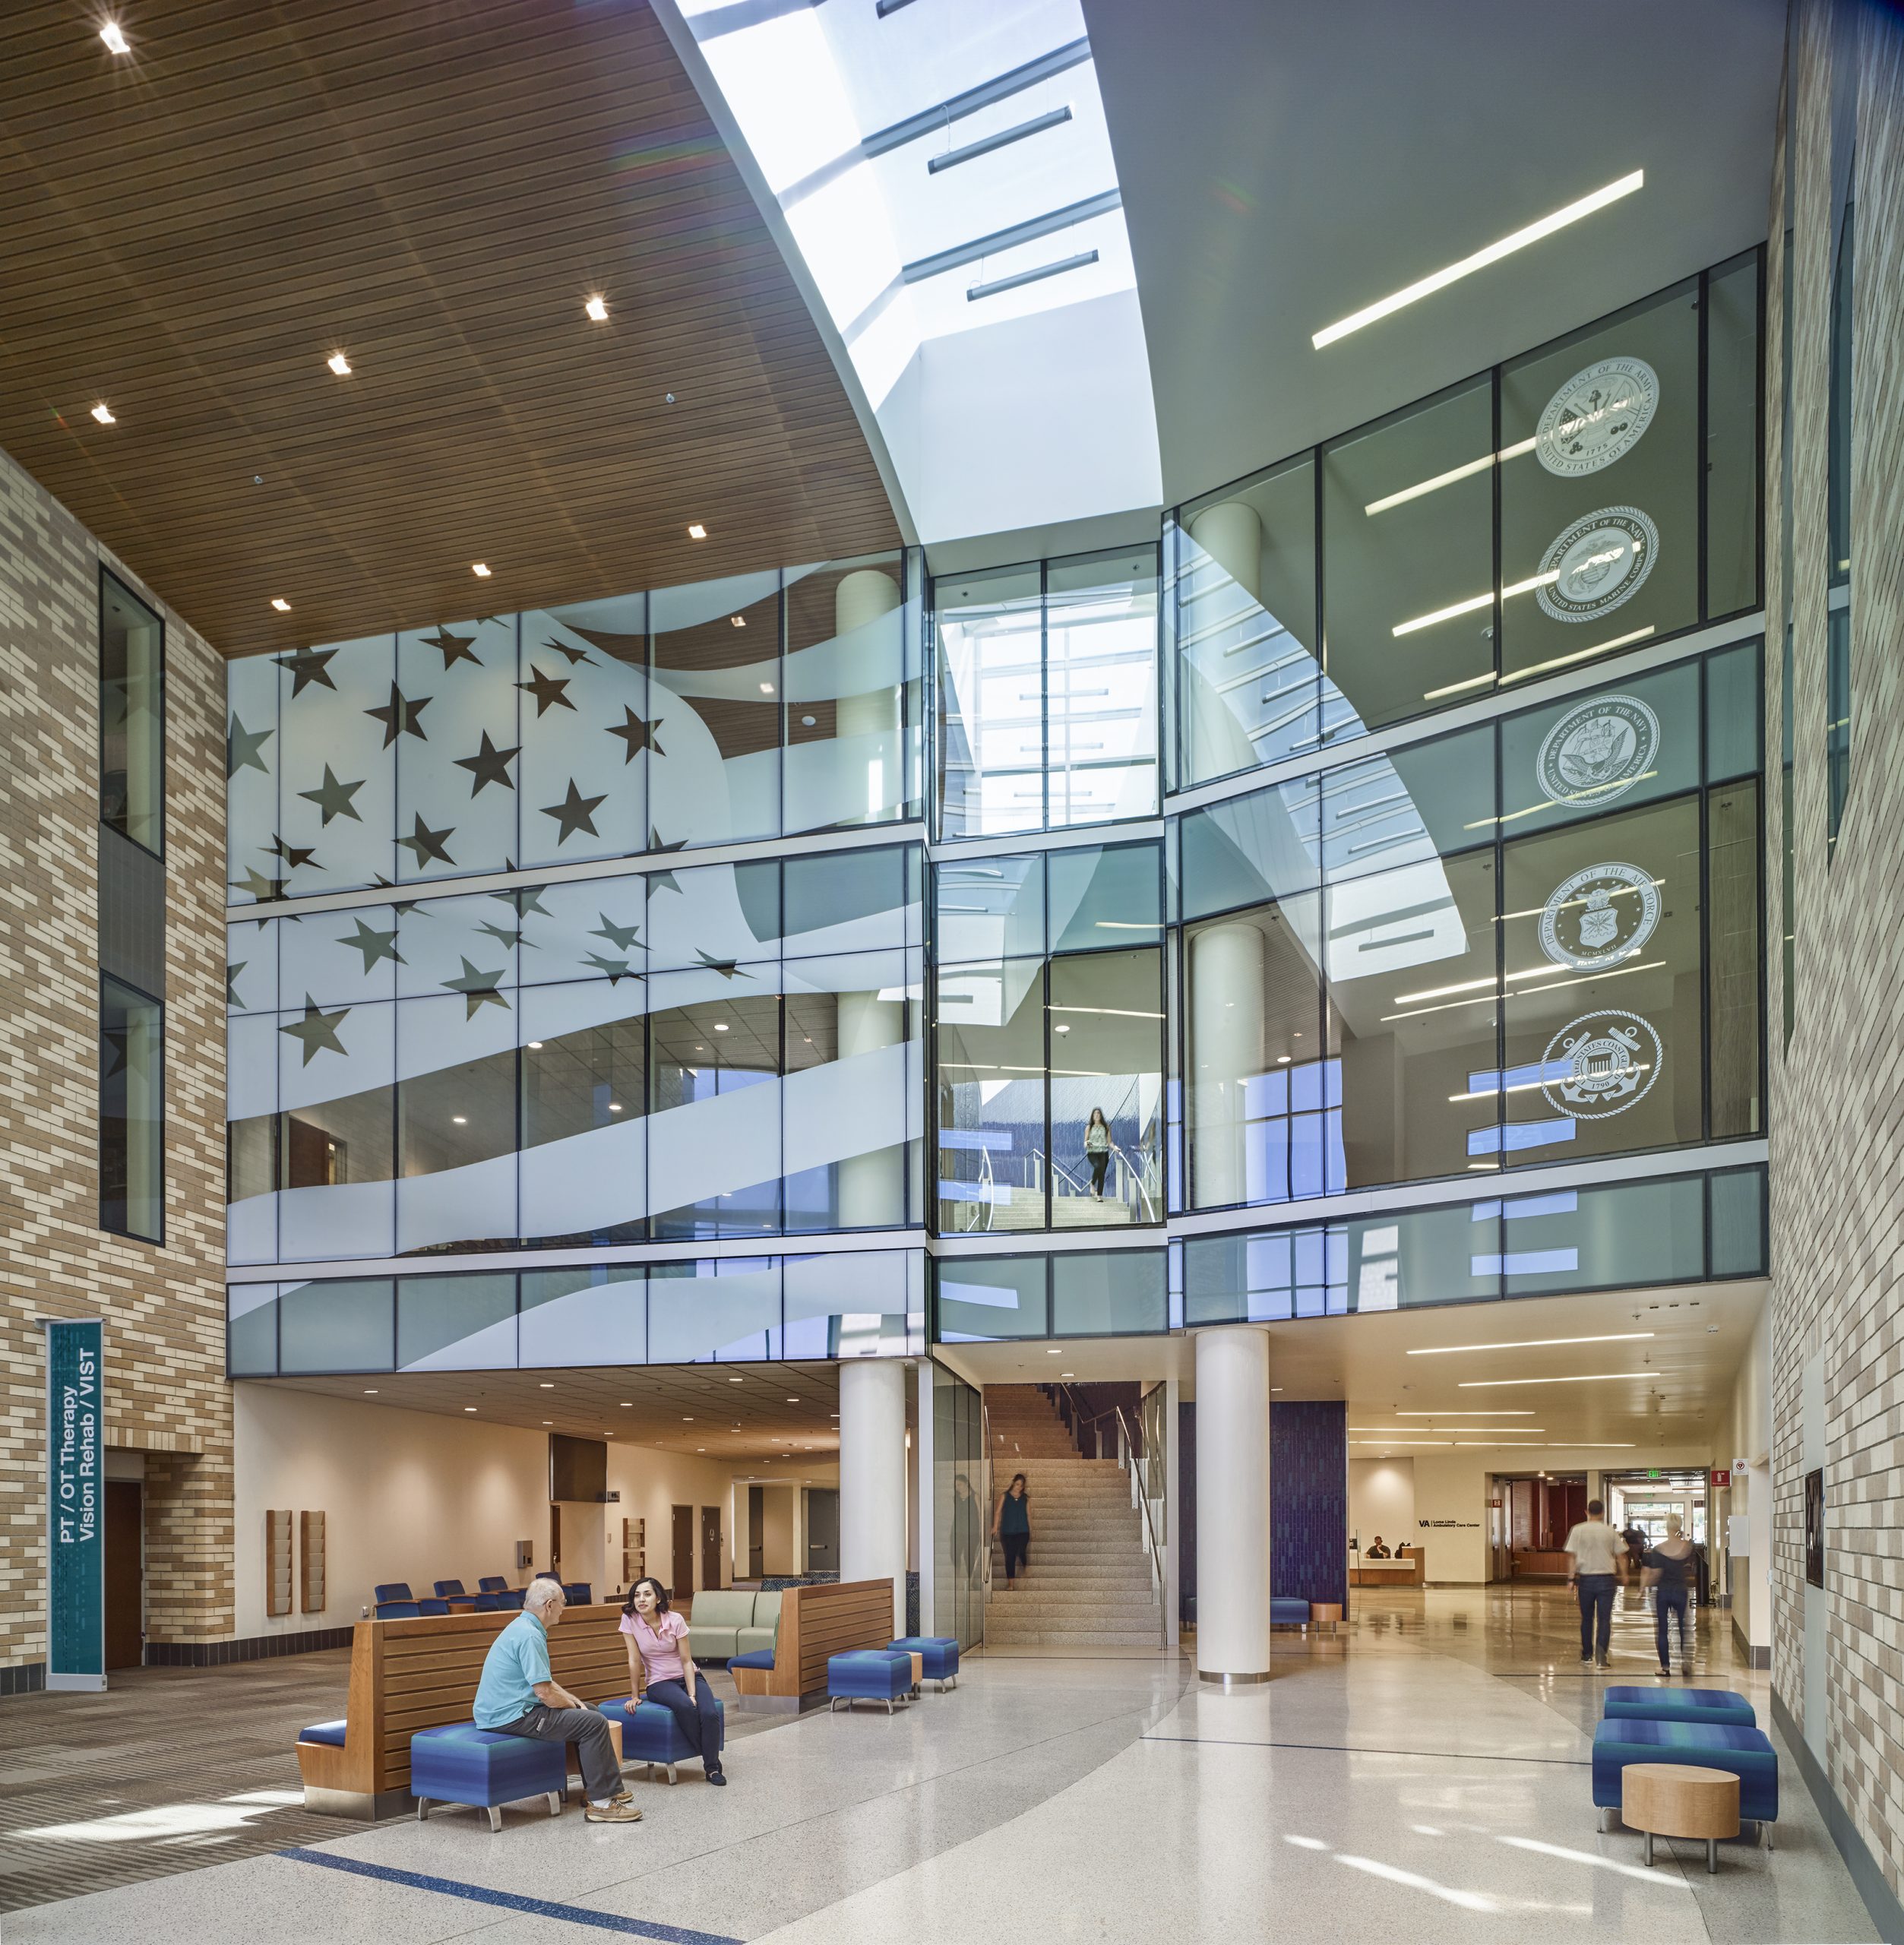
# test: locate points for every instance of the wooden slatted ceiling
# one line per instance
(434, 188)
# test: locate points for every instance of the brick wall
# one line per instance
(1836, 1118)
(164, 1306)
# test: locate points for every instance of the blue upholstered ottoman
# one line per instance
(1681, 1705)
(1287, 1611)
(1746, 1752)
(461, 1763)
(651, 1734)
(938, 1655)
(869, 1675)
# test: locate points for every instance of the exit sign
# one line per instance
(1654, 1476)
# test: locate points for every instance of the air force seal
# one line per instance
(1597, 416)
(1598, 751)
(1599, 916)
(1601, 1064)
(1597, 564)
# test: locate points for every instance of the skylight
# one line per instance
(946, 173)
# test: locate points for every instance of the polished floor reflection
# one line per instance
(1424, 1772)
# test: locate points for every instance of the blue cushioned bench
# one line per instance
(1681, 1705)
(938, 1655)
(461, 1763)
(647, 1733)
(869, 1675)
(1287, 1611)
(330, 1734)
(1747, 1753)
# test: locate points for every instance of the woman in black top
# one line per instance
(1012, 1526)
(1668, 1568)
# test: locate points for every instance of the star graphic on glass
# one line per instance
(530, 900)
(655, 844)
(575, 812)
(503, 935)
(317, 1031)
(333, 799)
(479, 989)
(726, 968)
(455, 648)
(489, 765)
(548, 691)
(231, 982)
(576, 655)
(617, 969)
(115, 1054)
(398, 716)
(620, 936)
(426, 844)
(373, 946)
(307, 666)
(257, 885)
(293, 855)
(637, 734)
(243, 747)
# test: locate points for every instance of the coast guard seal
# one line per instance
(1601, 1064)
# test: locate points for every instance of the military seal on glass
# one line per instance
(1598, 751)
(1601, 1064)
(1597, 416)
(1597, 564)
(1599, 916)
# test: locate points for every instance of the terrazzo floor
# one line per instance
(1424, 1772)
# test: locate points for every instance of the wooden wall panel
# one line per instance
(194, 227)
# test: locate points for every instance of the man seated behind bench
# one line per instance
(517, 1696)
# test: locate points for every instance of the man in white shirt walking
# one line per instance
(1597, 1557)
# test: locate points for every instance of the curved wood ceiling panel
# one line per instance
(434, 188)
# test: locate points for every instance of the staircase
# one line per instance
(1088, 1585)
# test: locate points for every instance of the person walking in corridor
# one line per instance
(1595, 1552)
(660, 1668)
(1666, 1569)
(1097, 1150)
(1013, 1526)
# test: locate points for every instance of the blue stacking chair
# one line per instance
(391, 1590)
(490, 1603)
(428, 1606)
(398, 1610)
(578, 1593)
(450, 1590)
(493, 1583)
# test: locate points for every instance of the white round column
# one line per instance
(1231, 533)
(1226, 1049)
(861, 598)
(1233, 1505)
(872, 1475)
(871, 1187)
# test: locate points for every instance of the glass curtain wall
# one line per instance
(961, 1514)
(1598, 493)
(1049, 1038)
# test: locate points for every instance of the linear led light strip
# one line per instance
(1579, 798)
(1538, 668)
(1441, 479)
(1525, 972)
(1519, 1344)
(1439, 279)
(1523, 1087)
(1584, 980)
(1585, 1377)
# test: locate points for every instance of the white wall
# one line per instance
(777, 1524)
(1381, 1500)
(1746, 1433)
(418, 1497)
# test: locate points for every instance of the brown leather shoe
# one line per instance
(613, 1812)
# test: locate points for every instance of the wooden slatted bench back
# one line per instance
(817, 1620)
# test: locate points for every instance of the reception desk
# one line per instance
(1410, 1570)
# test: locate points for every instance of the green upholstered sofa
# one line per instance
(728, 1622)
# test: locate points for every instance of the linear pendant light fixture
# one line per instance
(1439, 279)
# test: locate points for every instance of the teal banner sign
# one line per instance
(75, 1507)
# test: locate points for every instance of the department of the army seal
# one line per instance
(1598, 751)
(1599, 916)
(1601, 1064)
(1597, 416)
(1596, 565)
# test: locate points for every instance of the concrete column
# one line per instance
(860, 599)
(872, 1475)
(1233, 1505)
(1226, 1000)
(1231, 535)
(872, 1187)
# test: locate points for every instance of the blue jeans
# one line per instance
(1596, 1614)
(697, 1720)
(1665, 1601)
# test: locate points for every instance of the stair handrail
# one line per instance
(1159, 1579)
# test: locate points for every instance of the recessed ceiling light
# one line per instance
(114, 37)
(372, 1393)
(283, 607)
(1583, 1378)
(535, 1046)
(737, 621)
(340, 364)
(1530, 1343)
(461, 1121)
(1464, 1415)
(627, 1404)
(1276, 1387)
(687, 1422)
(793, 1401)
(547, 1385)
(468, 1408)
(1439, 279)
(615, 1107)
(480, 569)
(1067, 1374)
(1058, 1353)
(548, 1422)
(103, 412)
(700, 1448)
(597, 308)
(737, 1380)
(695, 531)
(766, 689)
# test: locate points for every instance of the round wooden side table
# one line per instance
(1325, 1614)
(1680, 1799)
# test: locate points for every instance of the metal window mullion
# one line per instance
(1705, 908)
(1703, 302)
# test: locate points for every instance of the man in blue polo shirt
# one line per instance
(517, 1696)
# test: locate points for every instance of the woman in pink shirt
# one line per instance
(659, 1664)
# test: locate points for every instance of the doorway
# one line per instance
(124, 1574)
(682, 1553)
(823, 1530)
(710, 1546)
(756, 1538)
